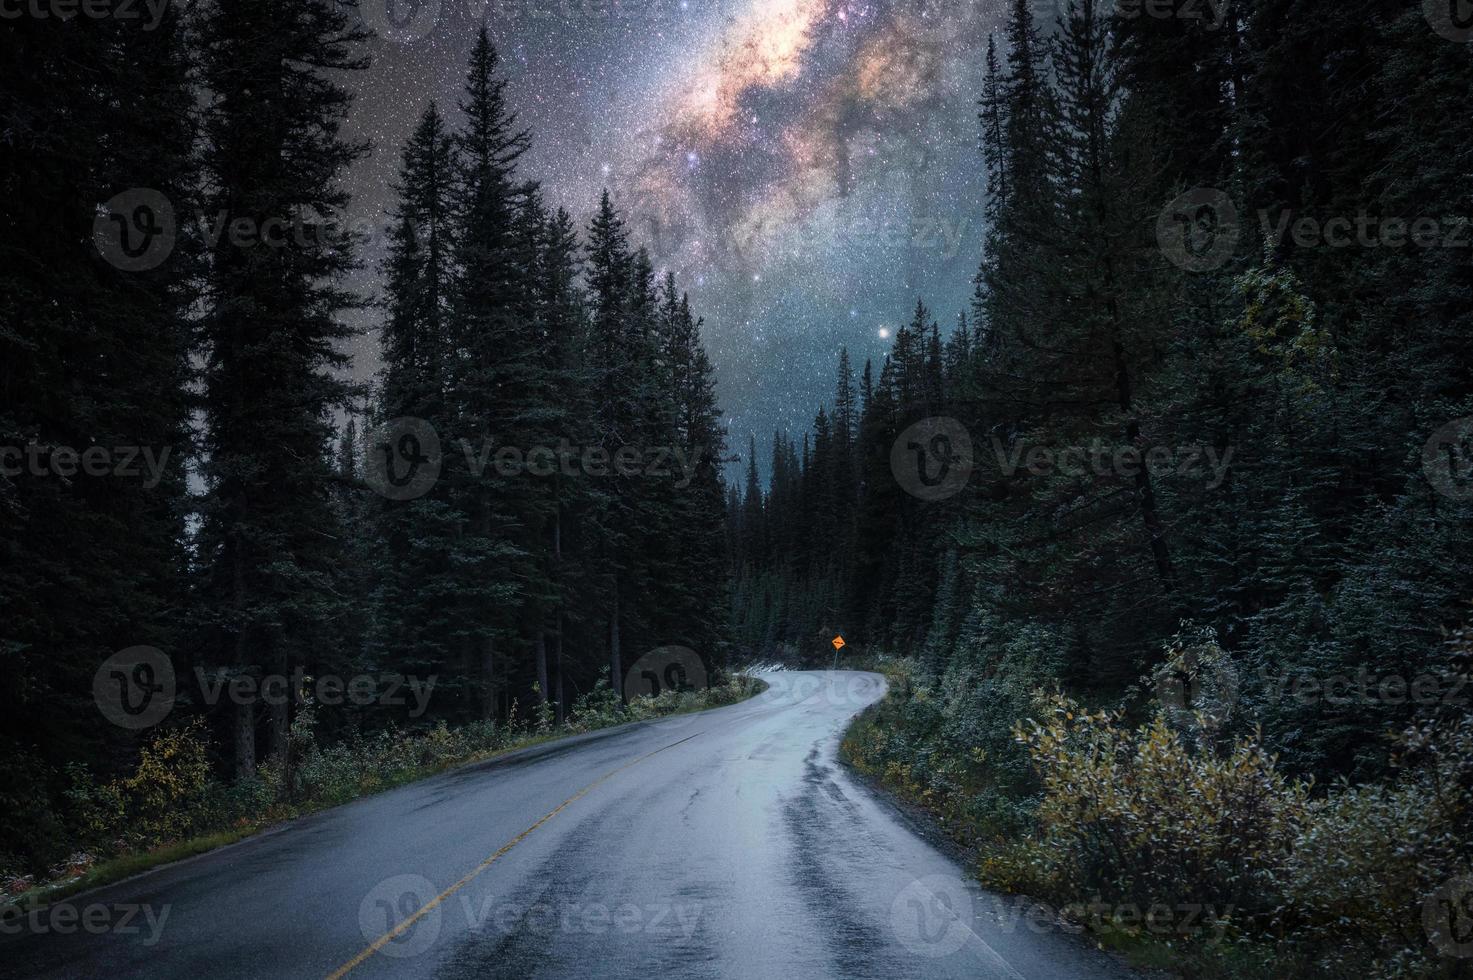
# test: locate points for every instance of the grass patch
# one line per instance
(172, 789)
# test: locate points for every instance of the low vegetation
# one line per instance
(171, 805)
(1128, 818)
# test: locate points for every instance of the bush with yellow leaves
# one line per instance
(1368, 880)
(1165, 807)
(1137, 815)
(163, 799)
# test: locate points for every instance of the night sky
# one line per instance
(807, 168)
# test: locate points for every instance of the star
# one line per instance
(764, 151)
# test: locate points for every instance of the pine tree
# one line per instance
(698, 541)
(563, 335)
(419, 541)
(269, 546)
(493, 377)
(612, 355)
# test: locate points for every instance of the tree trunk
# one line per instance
(245, 740)
(488, 677)
(278, 709)
(616, 667)
(1144, 491)
(279, 729)
(542, 692)
(486, 643)
(245, 717)
(557, 577)
(558, 662)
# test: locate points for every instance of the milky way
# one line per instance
(807, 168)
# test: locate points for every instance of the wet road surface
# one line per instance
(725, 844)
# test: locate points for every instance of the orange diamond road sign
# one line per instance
(838, 643)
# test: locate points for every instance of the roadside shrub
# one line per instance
(25, 802)
(171, 794)
(598, 708)
(1364, 879)
(162, 800)
(1137, 816)
(948, 744)
(1167, 807)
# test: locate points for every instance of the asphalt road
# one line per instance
(725, 844)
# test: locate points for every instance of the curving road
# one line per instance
(725, 844)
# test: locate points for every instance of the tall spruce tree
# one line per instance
(419, 541)
(493, 368)
(269, 547)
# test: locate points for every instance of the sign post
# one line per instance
(838, 643)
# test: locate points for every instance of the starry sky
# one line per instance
(807, 168)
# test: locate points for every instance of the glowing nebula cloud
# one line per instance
(806, 168)
(790, 106)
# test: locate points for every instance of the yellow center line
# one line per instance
(435, 902)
